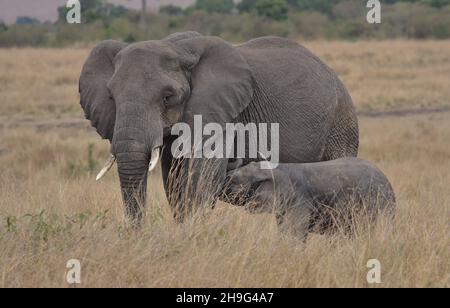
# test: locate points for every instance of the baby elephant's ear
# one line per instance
(221, 80)
(253, 174)
(232, 165)
(259, 173)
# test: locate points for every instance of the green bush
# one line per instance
(171, 10)
(437, 3)
(94, 10)
(417, 21)
(308, 25)
(323, 6)
(24, 35)
(273, 9)
(25, 20)
(215, 6)
(305, 19)
(247, 6)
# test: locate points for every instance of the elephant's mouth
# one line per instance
(239, 195)
(154, 158)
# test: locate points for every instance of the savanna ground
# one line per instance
(52, 210)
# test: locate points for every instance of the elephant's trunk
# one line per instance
(136, 143)
(133, 170)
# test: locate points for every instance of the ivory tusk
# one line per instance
(109, 163)
(154, 159)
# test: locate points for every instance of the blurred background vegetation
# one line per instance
(237, 21)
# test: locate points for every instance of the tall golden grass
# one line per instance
(52, 210)
(379, 75)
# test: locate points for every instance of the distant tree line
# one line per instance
(298, 19)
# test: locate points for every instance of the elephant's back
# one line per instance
(283, 55)
(348, 174)
(294, 88)
(269, 42)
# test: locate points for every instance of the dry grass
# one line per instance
(51, 209)
(379, 75)
(40, 81)
(391, 74)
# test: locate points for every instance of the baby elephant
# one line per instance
(313, 197)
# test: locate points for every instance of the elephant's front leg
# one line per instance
(192, 184)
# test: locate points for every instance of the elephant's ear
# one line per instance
(221, 80)
(95, 99)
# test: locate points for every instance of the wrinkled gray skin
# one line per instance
(310, 197)
(133, 94)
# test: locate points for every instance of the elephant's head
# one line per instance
(133, 94)
(259, 190)
(252, 187)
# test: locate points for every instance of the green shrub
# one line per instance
(171, 10)
(308, 25)
(24, 35)
(247, 6)
(306, 19)
(215, 6)
(273, 9)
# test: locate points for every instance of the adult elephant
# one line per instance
(133, 94)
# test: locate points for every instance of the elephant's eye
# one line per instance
(169, 100)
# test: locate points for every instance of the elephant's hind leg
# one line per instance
(343, 138)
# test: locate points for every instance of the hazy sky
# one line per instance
(47, 9)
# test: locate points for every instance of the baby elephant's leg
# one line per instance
(294, 220)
